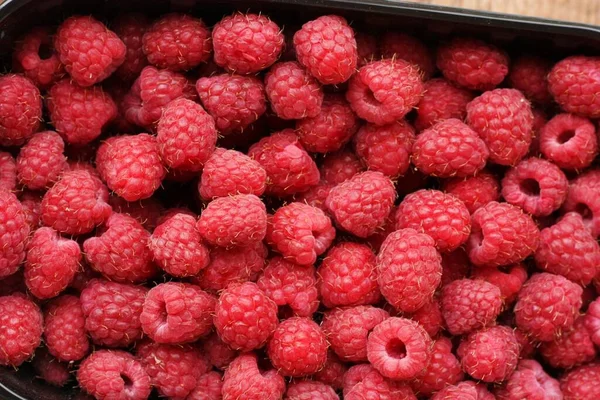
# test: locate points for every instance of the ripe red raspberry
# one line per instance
(290, 286)
(29, 58)
(32, 204)
(468, 305)
(465, 390)
(244, 380)
(583, 198)
(339, 167)
(8, 172)
(441, 100)
(567, 248)
(348, 276)
(547, 305)
(569, 141)
(443, 370)
(14, 232)
(50, 370)
(131, 28)
(131, 165)
(79, 114)
(528, 74)
(503, 119)
(572, 348)
(332, 372)
(64, 330)
(476, 191)
(581, 383)
(327, 48)
(235, 102)
(401, 46)
(501, 234)
(209, 387)
(218, 353)
(298, 347)
(573, 82)
(536, 185)
(409, 269)
(509, 280)
(21, 325)
(20, 110)
(385, 148)
(107, 374)
(147, 212)
(300, 233)
(384, 91)
(293, 93)
(310, 390)
(430, 317)
(41, 161)
(367, 48)
(592, 321)
(347, 330)
(290, 169)
(365, 382)
(529, 381)
(455, 265)
(112, 312)
(315, 196)
(88, 49)
(472, 63)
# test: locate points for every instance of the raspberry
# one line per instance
(430, 317)
(218, 353)
(384, 91)
(315, 196)
(529, 381)
(50, 370)
(365, 382)
(441, 100)
(327, 48)
(290, 285)
(441, 216)
(468, 305)
(14, 232)
(88, 49)
(409, 269)
(298, 347)
(568, 249)
(385, 148)
(399, 348)
(246, 43)
(8, 172)
(244, 380)
(147, 212)
(51, 263)
(571, 348)
(20, 110)
(177, 42)
(583, 199)
(476, 191)
(347, 330)
(465, 390)
(209, 387)
(528, 74)
(114, 374)
(472, 63)
(131, 28)
(32, 204)
(509, 280)
(401, 46)
(290, 169)
(177, 313)
(28, 57)
(503, 119)
(186, 135)
(21, 325)
(64, 330)
(501, 234)
(293, 93)
(332, 372)
(112, 312)
(245, 317)
(235, 102)
(592, 321)
(573, 82)
(569, 141)
(339, 167)
(443, 370)
(300, 233)
(308, 390)
(131, 165)
(547, 306)
(79, 114)
(41, 160)
(455, 265)
(366, 47)
(348, 276)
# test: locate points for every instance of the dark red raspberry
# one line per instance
(401, 46)
(298, 347)
(244, 380)
(503, 119)
(339, 167)
(79, 114)
(384, 91)
(131, 165)
(476, 191)
(547, 306)
(529, 381)
(536, 185)
(28, 57)
(310, 390)
(430, 317)
(148, 212)
(572, 348)
(14, 232)
(441, 100)
(583, 198)
(362, 381)
(107, 374)
(209, 387)
(218, 353)
(573, 82)
(293, 93)
(509, 280)
(32, 207)
(465, 390)
(455, 265)
(472, 63)
(501, 234)
(131, 28)
(8, 172)
(20, 110)
(332, 372)
(64, 330)
(367, 48)
(21, 325)
(409, 269)
(443, 370)
(348, 276)
(592, 321)
(327, 48)
(385, 148)
(347, 330)
(290, 169)
(528, 74)
(50, 370)
(581, 383)
(315, 196)
(569, 141)
(41, 161)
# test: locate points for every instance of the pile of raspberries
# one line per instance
(240, 213)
